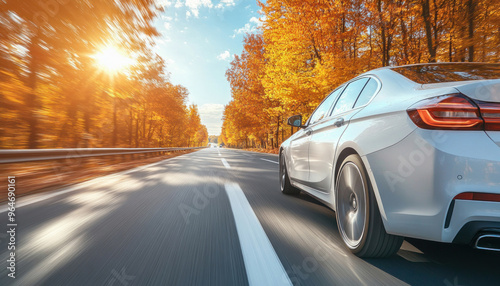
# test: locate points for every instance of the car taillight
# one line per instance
(447, 112)
(478, 197)
(491, 115)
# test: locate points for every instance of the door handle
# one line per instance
(308, 132)
(339, 122)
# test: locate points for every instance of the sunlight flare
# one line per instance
(112, 59)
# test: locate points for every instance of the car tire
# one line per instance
(355, 202)
(285, 185)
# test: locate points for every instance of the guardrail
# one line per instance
(29, 155)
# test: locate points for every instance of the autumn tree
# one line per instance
(54, 93)
(310, 47)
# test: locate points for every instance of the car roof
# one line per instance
(429, 64)
(389, 70)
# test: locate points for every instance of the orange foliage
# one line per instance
(307, 48)
(55, 91)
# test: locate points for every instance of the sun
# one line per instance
(112, 60)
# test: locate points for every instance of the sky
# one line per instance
(199, 40)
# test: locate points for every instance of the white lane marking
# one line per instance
(262, 264)
(269, 161)
(218, 151)
(31, 199)
(226, 164)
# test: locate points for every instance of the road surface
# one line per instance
(212, 217)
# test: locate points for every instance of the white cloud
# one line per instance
(167, 25)
(164, 3)
(251, 27)
(212, 110)
(164, 40)
(211, 116)
(225, 3)
(224, 56)
(248, 28)
(256, 21)
(195, 5)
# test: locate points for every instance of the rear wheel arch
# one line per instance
(347, 151)
(285, 184)
(340, 159)
(373, 241)
(281, 153)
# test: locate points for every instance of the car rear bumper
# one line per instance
(416, 180)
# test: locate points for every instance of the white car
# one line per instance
(410, 151)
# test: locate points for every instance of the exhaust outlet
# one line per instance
(488, 242)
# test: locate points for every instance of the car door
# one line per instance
(298, 168)
(326, 134)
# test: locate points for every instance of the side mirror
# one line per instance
(296, 121)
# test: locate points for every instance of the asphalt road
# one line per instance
(212, 217)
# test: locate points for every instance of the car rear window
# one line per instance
(437, 73)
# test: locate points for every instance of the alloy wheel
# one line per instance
(351, 206)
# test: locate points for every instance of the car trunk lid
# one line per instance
(486, 93)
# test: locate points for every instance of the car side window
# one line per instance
(367, 93)
(349, 96)
(322, 110)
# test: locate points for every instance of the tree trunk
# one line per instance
(282, 131)
(160, 136)
(428, 30)
(404, 36)
(32, 103)
(115, 127)
(277, 131)
(86, 120)
(386, 41)
(371, 47)
(343, 33)
(471, 11)
(144, 128)
(452, 31)
(130, 127)
(137, 131)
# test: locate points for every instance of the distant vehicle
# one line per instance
(410, 151)
(221, 145)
